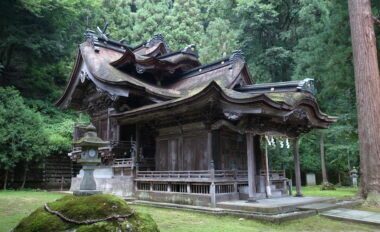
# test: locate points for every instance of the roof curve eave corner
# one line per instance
(72, 82)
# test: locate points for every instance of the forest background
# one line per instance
(282, 40)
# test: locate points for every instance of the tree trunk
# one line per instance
(24, 177)
(367, 84)
(323, 163)
(5, 180)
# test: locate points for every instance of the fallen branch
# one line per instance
(86, 222)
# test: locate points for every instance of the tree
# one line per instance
(218, 41)
(183, 25)
(149, 19)
(323, 163)
(367, 83)
(22, 138)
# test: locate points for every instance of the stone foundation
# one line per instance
(107, 183)
(120, 186)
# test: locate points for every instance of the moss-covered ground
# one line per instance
(14, 205)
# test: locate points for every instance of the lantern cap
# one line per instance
(90, 138)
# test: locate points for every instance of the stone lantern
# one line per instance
(89, 159)
(354, 177)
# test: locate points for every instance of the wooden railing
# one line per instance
(188, 175)
(242, 174)
(274, 174)
(225, 174)
(173, 175)
(125, 162)
(204, 188)
(218, 185)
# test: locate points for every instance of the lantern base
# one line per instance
(86, 192)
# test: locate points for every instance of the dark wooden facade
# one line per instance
(183, 131)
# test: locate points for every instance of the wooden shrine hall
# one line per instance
(183, 132)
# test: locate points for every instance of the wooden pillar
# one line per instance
(297, 168)
(108, 124)
(215, 150)
(209, 146)
(251, 168)
(138, 141)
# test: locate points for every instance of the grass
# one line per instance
(186, 221)
(340, 192)
(14, 205)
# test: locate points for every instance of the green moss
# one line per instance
(37, 222)
(99, 227)
(290, 98)
(141, 222)
(82, 208)
(90, 207)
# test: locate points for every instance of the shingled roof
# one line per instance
(152, 70)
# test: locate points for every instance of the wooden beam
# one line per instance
(251, 168)
(297, 168)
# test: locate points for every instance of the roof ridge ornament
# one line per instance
(92, 38)
(100, 38)
(307, 85)
(158, 38)
(102, 33)
(191, 49)
(236, 56)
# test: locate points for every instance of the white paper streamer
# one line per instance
(273, 142)
(266, 137)
(281, 143)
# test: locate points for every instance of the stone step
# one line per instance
(275, 218)
(357, 216)
(324, 206)
(273, 205)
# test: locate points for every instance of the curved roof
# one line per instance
(119, 69)
(154, 59)
(100, 62)
(282, 104)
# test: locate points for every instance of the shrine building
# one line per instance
(185, 132)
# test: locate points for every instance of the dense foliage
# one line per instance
(282, 40)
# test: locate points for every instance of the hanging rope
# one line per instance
(86, 222)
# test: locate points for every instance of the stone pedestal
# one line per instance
(88, 184)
